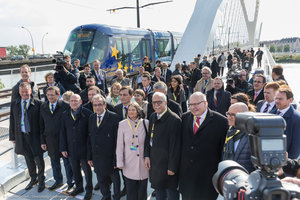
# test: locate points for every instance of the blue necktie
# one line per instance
(26, 121)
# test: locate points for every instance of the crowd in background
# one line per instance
(171, 127)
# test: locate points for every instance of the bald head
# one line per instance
(238, 107)
(198, 104)
(75, 101)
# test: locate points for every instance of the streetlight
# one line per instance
(31, 39)
(138, 8)
(43, 42)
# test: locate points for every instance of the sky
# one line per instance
(59, 17)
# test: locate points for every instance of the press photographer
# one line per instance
(65, 74)
(237, 81)
(268, 155)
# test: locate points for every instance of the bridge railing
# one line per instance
(270, 62)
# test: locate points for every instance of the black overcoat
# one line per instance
(200, 155)
(165, 151)
(102, 142)
(223, 100)
(15, 126)
(50, 125)
(74, 134)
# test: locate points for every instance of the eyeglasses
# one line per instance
(195, 104)
(228, 114)
(157, 102)
(205, 73)
(257, 82)
(100, 104)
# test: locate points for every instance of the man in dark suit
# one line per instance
(157, 76)
(166, 73)
(268, 104)
(103, 129)
(204, 63)
(257, 93)
(147, 87)
(203, 137)
(195, 76)
(283, 100)
(137, 79)
(24, 132)
(50, 123)
(218, 99)
(83, 76)
(237, 145)
(100, 76)
(126, 94)
(162, 149)
(25, 72)
(91, 92)
(90, 81)
(73, 144)
(172, 105)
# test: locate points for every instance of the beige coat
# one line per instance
(132, 161)
(200, 84)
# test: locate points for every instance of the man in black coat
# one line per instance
(90, 81)
(100, 76)
(25, 72)
(257, 93)
(268, 104)
(91, 92)
(50, 122)
(126, 94)
(166, 73)
(195, 76)
(24, 132)
(162, 149)
(73, 144)
(157, 76)
(172, 105)
(218, 99)
(83, 76)
(203, 136)
(103, 129)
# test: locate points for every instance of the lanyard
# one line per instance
(152, 130)
(124, 114)
(72, 116)
(133, 131)
(25, 108)
(50, 108)
(204, 87)
(195, 122)
(228, 138)
(175, 98)
(98, 123)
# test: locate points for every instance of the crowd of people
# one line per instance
(172, 128)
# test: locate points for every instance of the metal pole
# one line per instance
(228, 47)
(14, 158)
(43, 42)
(33, 50)
(138, 13)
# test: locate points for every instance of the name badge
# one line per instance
(99, 83)
(133, 148)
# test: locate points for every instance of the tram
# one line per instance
(120, 48)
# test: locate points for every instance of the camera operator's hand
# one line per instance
(291, 180)
(65, 70)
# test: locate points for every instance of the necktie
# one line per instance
(126, 112)
(278, 112)
(255, 95)
(146, 91)
(266, 108)
(215, 98)
(52, 107)
(196, 124)
(26, 121)
(98, 121)
(204, 86)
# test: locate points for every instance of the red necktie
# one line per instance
(255, 95)
(146, 91)
(196, 125)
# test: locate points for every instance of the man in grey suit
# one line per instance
(268, 104)
(237, 146)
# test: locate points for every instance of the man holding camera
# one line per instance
(67, 76)
(237, 146)
(283, 100)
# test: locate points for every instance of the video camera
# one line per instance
(59, 61)
(268, 155)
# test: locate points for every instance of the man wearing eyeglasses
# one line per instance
(203, 136)
(162, 149)
(206, 82)
(237, 146)
(257, 93)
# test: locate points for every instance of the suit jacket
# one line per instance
(103, 84)
(155, 79)
(15, 91)
(168, 75)
(74, 133)
(102, 142)
(164, 153)
(292, 132)
(123, 82)
(82, 80)
(223, 100)
(15, 133)
(200, 155)
(195, 77)
(135, 84)
(174, 107)
(261, 103)
(59, 85)
(260, 96)
(119, 110)
(50, 127)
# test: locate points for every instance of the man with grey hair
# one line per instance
(206, 82)
(166, 73)
(73, 144)
(237, 145)
(174, 106)
(162, 149)
(203, 136)
(103, 129)
(120, 78)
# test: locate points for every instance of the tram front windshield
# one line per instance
(86, 46)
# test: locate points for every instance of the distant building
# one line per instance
(293, 42)
(2, 52)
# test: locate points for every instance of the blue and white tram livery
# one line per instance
(120, 48)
